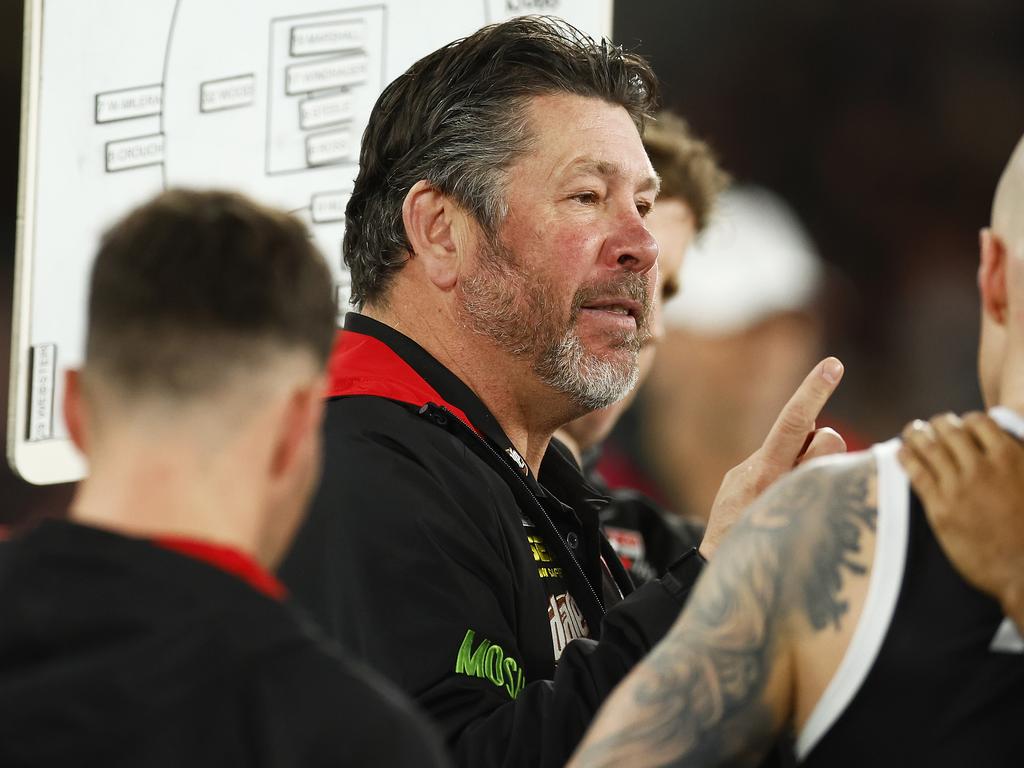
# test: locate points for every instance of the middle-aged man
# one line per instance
(832, 608)
(647, 538)
(147, 630)
(498, 251)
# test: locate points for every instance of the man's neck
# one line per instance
(1011, 390)
(527, 411)
(148, 491)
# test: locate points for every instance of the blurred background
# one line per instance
(881, 124)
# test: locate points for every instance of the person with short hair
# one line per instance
(833, 611)
(148, 629)
(502, 266)
(646, 537)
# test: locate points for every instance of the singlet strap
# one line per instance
(891, 535)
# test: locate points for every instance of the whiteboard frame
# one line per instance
(57, 460)
(54, 460)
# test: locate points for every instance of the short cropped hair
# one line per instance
(687, 166)
(458, 119)
(195, 286)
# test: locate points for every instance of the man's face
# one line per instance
(568, 282)
(673, 226)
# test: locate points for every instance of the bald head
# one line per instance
(1008, 206)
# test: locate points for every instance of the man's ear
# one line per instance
(76, 410)
(432, 223)
(992, 277)
(299, 424)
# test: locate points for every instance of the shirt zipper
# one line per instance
(536, 503)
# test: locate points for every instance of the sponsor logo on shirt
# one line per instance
(489, 662)
(543, 557)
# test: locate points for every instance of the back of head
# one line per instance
(457, 119)
(194, 289)
(1008, 205)
(687, 166)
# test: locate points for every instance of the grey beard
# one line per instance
(591, 383)
(500, 304)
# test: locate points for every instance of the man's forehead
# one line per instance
(647, 178)
(582, 134)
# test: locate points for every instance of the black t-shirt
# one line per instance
(114, 651)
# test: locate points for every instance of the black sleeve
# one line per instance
(409, 566)
(543, 725)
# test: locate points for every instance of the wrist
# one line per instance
(683, 574)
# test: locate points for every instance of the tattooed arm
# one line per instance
(761, 635)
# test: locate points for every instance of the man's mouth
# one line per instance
(621, 306)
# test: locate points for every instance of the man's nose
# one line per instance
(631, 246)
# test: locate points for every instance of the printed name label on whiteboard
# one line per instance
(228, 93)
(129, 104)
(44, 369)
(326, 148)
(135, 153)
(316, 112)
(328, 207)
(339, 72)
(329, 37)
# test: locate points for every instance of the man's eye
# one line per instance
(643, 208)
(586, 197)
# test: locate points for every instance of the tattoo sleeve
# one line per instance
(701, 698)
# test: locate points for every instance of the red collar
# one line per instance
(227, 559)
(363, 365)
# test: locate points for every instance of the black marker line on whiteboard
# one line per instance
(167, 63)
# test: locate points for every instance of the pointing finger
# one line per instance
(796, 419)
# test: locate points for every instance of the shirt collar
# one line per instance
(227, 559)
(418, 374)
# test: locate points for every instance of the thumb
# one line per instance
(824, 442)
(787, 437)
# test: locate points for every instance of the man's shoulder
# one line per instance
(819, 515)
(317, 695)
(830, 483)
(372, 420)
(384, 455)
(361, 430)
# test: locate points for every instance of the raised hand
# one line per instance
(792, 440)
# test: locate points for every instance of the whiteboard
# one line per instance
(123, 98)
